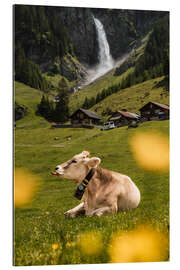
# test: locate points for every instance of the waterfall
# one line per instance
(105, 58)
(106, 62)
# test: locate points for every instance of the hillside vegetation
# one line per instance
(134, 97)
(46, 42)
(91, 90)
(149, 61)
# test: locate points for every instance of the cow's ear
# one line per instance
(85, 153)
(94, 162)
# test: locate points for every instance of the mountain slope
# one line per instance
(134, 97)
(30, 97)
(91, 90)
(131, 98)
(148, 61)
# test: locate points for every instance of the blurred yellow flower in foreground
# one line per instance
(141, 245)
(55, 246)
(70, 244)
(151, 150)
(90, 243)
(25, 187)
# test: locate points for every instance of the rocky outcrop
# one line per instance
(72, 69)
(81, 31)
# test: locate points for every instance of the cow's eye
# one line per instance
(73, 161)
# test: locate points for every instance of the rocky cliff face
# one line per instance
(123, 28)
(81, 31)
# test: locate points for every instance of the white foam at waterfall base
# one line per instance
(106, 62)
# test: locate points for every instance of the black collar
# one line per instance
(82, 187)
(90, 174)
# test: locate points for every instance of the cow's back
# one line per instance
(129, 194)
(109, 186)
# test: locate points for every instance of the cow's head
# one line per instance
(77, 168)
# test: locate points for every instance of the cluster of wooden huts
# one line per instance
(150, 111)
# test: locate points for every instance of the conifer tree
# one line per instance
(45, 108)
(61, 112)
(92, 102)
(86, 103)
(98, 98)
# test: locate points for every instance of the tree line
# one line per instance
(40, 35)
(57, 111)
(154, 62)
(125, 82)
(27, 72)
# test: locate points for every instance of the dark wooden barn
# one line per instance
(124, 118)
(153, 111)
(84, 117)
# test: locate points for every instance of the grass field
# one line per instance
(42, 234)
(42, 223)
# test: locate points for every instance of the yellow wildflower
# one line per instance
(25, 187)
(151, 150)
(55, 246)
(141, 245)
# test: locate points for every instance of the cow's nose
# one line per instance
(56, 168)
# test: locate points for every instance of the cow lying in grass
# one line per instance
(106, 191)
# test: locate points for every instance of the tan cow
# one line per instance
(106, 192)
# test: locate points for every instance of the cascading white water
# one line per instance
(106, 62)
(105, 58)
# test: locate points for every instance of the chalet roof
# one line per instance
(128, 114)
(88, 113)
(115, 118)
(157, 104)
(125, 114)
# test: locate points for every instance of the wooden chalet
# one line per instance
(153, 111)
(84, 117)
(124, 118)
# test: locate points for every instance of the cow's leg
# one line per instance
(104, 210)
(75, 211)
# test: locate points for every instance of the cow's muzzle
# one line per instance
(56, 173)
